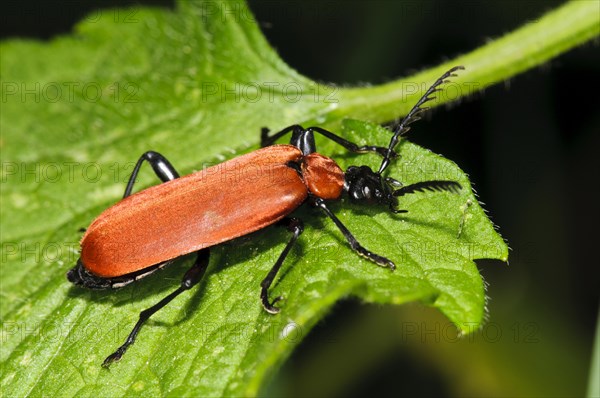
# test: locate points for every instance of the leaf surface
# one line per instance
(197, 84)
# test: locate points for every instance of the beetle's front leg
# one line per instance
(357, 247)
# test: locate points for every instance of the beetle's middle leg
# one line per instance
(190, 279)
(296, 227)
(161, 166)
(299, 139)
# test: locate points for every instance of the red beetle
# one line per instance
(148, 230)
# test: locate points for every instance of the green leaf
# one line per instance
(197, 84)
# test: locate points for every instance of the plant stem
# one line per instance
(538, 41)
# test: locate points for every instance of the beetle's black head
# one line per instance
(80, 276)
(364, 185)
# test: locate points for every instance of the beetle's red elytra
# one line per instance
(194, 212)
(148, 230)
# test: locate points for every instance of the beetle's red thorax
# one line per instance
(322, 176)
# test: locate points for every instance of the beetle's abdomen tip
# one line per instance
(79, 276)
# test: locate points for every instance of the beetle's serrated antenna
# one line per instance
(450, 186)
(415, 114)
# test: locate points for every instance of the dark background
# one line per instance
(530, 147)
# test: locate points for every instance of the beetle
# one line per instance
(148, 230)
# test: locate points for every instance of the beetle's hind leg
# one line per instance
(190, 279)
(296, 227)
(161, 166)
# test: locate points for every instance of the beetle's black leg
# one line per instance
(379, 260)
(303, 138)
(190, 279)
(295, 226)
(161, 166)
(266, 140)
(350, 146)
